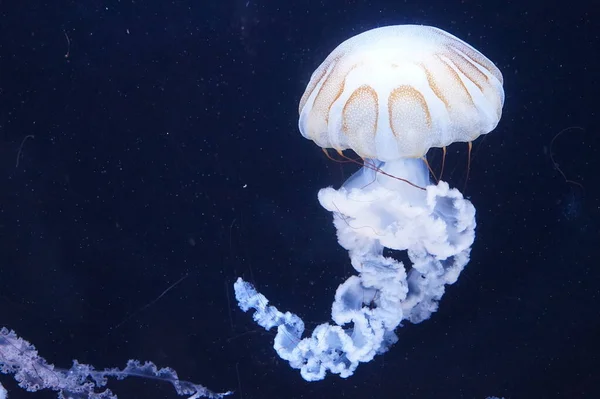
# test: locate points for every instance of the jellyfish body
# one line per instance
(396, 91)
(389, 94)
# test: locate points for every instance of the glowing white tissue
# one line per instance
(372, 212)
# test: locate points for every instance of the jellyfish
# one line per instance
(388, 94)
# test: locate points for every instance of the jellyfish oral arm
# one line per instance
(372, 212)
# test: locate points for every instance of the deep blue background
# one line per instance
(166, 144)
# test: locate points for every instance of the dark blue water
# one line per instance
(165, 145)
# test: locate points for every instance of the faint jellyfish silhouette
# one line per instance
(572, 202)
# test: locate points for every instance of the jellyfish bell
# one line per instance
(394, 92)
